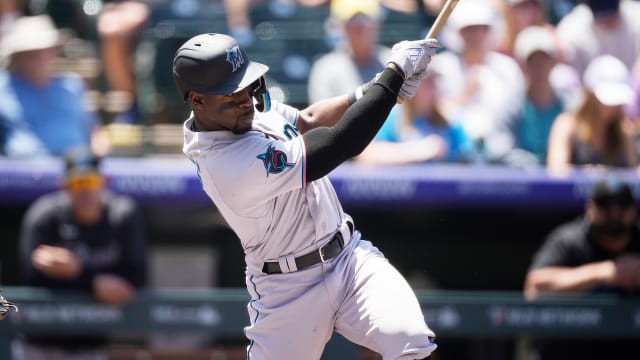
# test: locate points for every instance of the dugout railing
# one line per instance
(222, 312)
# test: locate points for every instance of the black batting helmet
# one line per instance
(214, 64)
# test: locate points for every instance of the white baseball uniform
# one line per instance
(257, 181)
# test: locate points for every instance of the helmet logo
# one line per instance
(234, 57)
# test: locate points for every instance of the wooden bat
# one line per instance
(438, 24)
(441, 19)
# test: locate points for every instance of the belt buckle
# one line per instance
(321, 252)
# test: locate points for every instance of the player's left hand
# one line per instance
(112, 289)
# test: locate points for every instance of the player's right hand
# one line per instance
(412, 57)
(56, 262)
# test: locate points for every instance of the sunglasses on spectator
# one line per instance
(608, 201)
(85, 182)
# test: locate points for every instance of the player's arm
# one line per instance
(328, 147)
(329, 111)
(43, 264)
(325, 112)
(556, 279)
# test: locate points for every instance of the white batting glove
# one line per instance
(409, 87)
(412, 57)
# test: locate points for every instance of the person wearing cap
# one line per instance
(264, 164)
(598, 252)
(480, 88)
(519, 15)
(597, 133)
(598, 27)
(81, 238)
(357, 57)
(42, 112)
(545, 99)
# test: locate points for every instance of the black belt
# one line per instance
(328, 251)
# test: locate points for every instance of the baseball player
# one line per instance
(308, 270)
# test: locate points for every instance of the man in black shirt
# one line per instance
(599, 252)
(81, 238)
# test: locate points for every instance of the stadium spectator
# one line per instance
(482, 89)
(517, 16)
(599, 252)
(416, 131)
(357, 58)
(598, 27)
(238, 15)
(119, 26)
(81, 238)
(598, 132)
(537, 53)
(10, 11)
(42, 112)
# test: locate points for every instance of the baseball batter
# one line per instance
(264, 165)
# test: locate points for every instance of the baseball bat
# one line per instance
(438, 24)
(441, 19)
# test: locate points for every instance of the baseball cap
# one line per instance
(346, 9)
(31, 33)
(610, 80)
(469, 13)
(81, 161)
(532, 39)
(611, 189)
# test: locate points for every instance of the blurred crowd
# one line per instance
(527, 83)
(524, 83)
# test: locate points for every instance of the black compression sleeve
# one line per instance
(328, 147)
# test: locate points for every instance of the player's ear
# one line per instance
(197, 100)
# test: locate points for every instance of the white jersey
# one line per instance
(257, 182)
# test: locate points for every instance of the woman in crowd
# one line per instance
(598, 132)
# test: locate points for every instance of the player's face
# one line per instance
(233, 112)
(612, 215)
(85, 191)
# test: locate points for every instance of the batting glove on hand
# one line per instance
(409, 87)
(412, 57)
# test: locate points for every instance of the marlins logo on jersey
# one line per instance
(274, 161)
(235, 58)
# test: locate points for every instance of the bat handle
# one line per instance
(442, 18)
(438, 24)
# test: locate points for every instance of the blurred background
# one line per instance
(459, 189)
